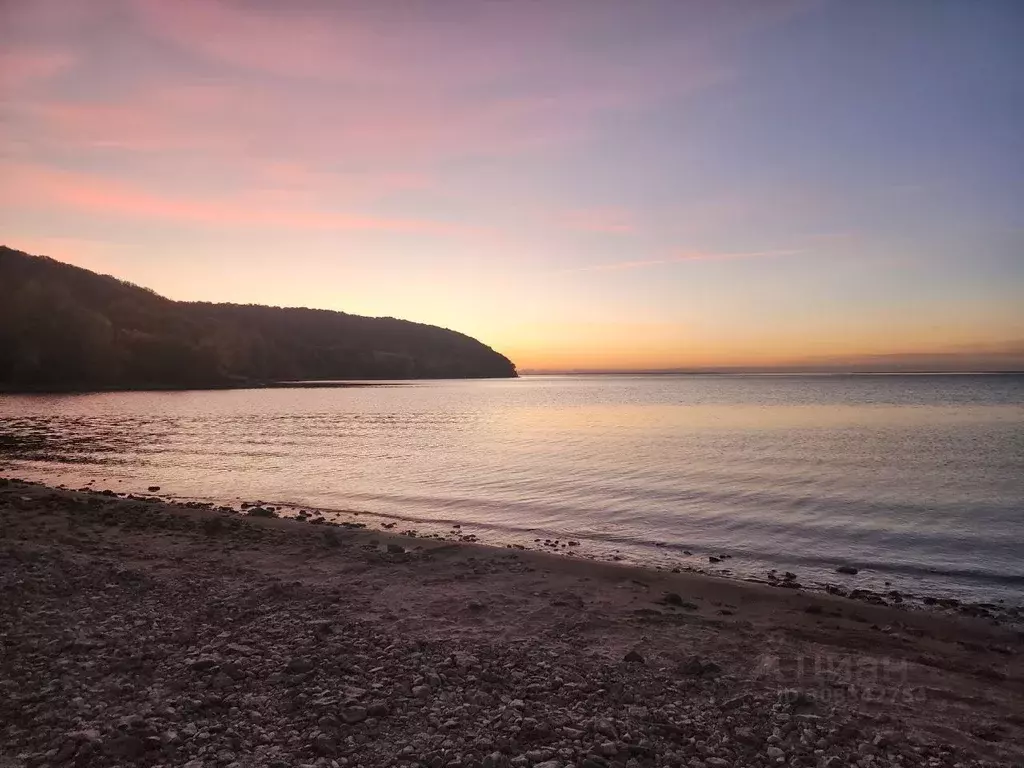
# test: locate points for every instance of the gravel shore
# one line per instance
(139, 632)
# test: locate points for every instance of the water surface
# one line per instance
(917, 480)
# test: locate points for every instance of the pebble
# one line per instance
(353, 715)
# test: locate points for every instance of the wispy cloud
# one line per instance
(419, 50)
(392, 133)
(381, 89)
(24, 67)
(681, 258)
(274, 116)
(47, 188)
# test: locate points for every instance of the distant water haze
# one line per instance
(915, 480)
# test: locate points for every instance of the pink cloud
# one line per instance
(44, 187)
(409, 86)
(425, 49)
(281, 114)
(399, 135)
(24, 67)
(27, 19)
(112, 126)
(334, 102)
(162, 116)
(264, 40)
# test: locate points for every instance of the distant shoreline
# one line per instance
(754, 372)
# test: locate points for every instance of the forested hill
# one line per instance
(63, 327)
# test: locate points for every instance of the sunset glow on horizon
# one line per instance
(580, 185)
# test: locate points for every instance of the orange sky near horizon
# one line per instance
(805, 336)
(582, 185)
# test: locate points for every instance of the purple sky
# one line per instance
(578, 184)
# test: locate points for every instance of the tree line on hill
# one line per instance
(66, 328)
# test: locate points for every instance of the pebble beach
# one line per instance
(136, 631)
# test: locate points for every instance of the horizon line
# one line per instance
(781, 371)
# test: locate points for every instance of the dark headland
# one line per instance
(66, 328)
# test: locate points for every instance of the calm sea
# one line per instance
(916, 480)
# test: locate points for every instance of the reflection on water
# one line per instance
(916, 478)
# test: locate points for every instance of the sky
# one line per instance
(582, 185)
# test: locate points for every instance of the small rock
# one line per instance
(90, 734)
(66, 751)
(697, 667)
(605, 728)
(738, 701)
(203, 663)
(298, 666)
(220, 681)
(324, 745)
(745, 736)
(633, 657)
(672, 598)
(323, 626)
(353, 715)
(124, 746)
